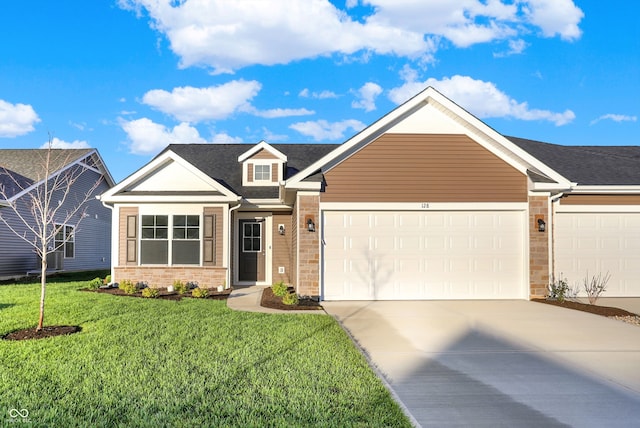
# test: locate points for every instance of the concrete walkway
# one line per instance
(500, 363)
(248, 299)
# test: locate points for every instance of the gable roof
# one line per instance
(220, 162)
(459, 118)
(588, 165)
(24, 167)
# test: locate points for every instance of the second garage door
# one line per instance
(423, 255)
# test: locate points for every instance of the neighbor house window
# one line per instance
(262, 173)
(65, 240)
(178, 233)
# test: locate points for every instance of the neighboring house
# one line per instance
(426, 203)
(85, 246)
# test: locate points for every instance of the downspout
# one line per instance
(230, 237)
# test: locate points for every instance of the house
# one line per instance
(426, 203)
(83, 246)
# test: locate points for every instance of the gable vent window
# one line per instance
(262, 173)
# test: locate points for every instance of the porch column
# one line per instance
(308, 277)
(539, 266)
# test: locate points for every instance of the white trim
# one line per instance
(145, 199)
(423, 206)
(112, 195)
(305, 185)
(616, 189)
(268, 243)
(597, 209)
(262, 145)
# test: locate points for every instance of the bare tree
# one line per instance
(43, 209)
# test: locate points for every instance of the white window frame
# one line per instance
(61, 245)
(170, 239)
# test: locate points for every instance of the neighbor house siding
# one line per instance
(424, 168)
(600, 200)
(282, 253)
(93, 232)
(18, 256)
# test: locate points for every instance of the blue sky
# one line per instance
(129, 77)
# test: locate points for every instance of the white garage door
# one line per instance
(423, 255)
(592, 243)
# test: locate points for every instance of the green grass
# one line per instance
(148, 362)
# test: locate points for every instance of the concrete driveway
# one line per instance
(500, 363)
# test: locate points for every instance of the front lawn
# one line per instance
(145, 362)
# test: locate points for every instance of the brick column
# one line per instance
(308, 275)
(538, 246)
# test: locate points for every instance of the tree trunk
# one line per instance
(43, 288)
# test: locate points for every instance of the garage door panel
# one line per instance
(424, 255)
(591, 243)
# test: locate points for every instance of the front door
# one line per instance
(251, 259)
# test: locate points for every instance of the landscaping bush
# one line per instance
(94, 284)
(559, 290)
(595, 286)
(150, 292)
(179, 287)
(128, 287)
(107, 280)
(290, 299)
(200, 293)
(279, 289)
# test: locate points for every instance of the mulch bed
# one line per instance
(606, 311)
(213, 294)
(49, 331)
(270, 300)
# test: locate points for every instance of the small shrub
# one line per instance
(179, 287)
(128, 287)
(107, 280)
(559, 290)
(150, 292)
(94, 284)
(200, 293)
(290, 299)
(279, 289)
(595, 286)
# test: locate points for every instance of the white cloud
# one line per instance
(323, 130)
(57, 143)
(555, 17)
(481, 98)
(515, 47)
(16, 119)
(226, 36)
(615, 117)
(367, 95)
(148, 137)
(189, 104)
(281, 112)
(322, 95)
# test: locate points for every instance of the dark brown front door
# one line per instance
(251, 258)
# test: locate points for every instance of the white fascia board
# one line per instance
(423, 206)
(614, 189)
(157, 163)
(550, 187)
(304, 185)
(141, 199)
(4, 203)
(264, 204)
(260, 146)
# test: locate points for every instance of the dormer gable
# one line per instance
(262, 165)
